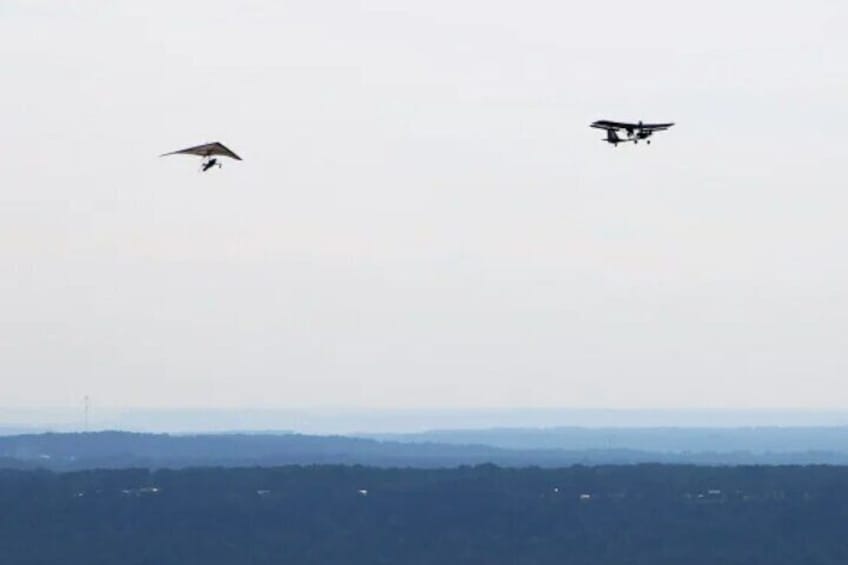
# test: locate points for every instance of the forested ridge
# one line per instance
(630, 515)
(120, 450)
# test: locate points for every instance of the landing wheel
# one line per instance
(649, 142)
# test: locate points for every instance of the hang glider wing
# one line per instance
(206, 150)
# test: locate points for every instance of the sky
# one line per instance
(422, 218)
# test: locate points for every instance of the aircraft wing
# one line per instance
(206, 150)
(656, 127)
(608, 125)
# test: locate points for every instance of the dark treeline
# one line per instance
(65, 452)
(628, 515)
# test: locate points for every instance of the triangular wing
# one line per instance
(206, 150)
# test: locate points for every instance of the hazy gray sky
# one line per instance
(422, 217)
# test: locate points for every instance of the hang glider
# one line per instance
(635, 132)
(208, 151)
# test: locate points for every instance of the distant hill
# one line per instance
(125, 449)
(350, 421)
(756, 440)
